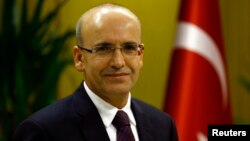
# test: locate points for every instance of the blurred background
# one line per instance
(37, 38)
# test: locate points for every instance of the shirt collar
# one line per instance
(108, 111)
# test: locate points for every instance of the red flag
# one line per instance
(197, 92)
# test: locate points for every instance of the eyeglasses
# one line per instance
(106, 50)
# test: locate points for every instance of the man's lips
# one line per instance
(117, 74)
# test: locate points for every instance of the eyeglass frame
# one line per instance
(140, 48)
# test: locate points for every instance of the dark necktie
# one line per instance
(122, 124)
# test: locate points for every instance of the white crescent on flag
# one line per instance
(193, 38)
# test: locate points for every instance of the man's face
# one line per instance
(115, 75)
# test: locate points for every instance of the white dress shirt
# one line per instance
(108, 112)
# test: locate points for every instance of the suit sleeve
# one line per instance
(30, 130)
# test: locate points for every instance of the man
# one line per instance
(109, 52)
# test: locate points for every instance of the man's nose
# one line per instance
(117, 61)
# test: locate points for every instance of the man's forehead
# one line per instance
(109, 20)
(96, 13)
(102, 12)
(99, 16)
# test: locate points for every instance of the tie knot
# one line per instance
(121, 119)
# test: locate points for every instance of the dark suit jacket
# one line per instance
(76, 118)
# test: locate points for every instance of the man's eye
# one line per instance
(131, 47)
(103, 49)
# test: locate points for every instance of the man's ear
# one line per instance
(78, 59)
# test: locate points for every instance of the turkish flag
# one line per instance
(197, 93)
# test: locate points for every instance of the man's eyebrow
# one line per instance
(129, 42)
(108, 43)
(103, 44)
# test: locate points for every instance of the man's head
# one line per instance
(109, 72)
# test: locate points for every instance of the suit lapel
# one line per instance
(143, 123)
(90, 121)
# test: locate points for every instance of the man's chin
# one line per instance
(119, 90)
